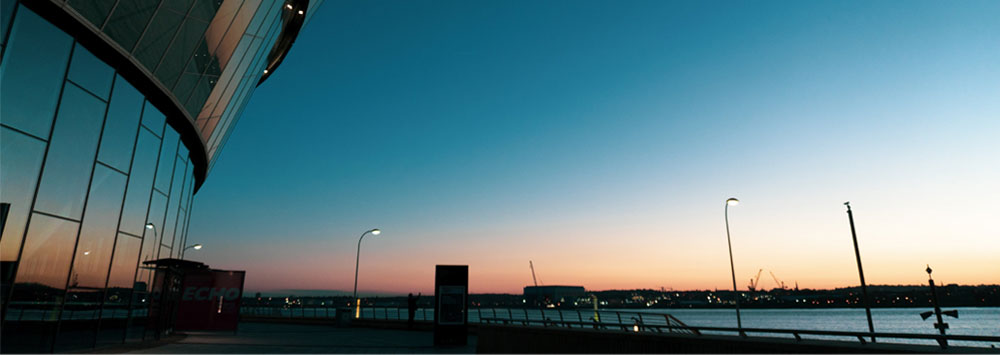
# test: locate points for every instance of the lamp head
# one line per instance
(732, 201)
(376, 231)
(149, 226)
(197, 246)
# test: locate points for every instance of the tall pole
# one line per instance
(732, 268)
(861, 272)
(357, 262)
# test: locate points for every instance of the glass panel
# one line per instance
(71, 154)
(153, 119)
(168, 154)
(151, 239)
(100, 225)
(165, 251)
(95, 11)
(90, 73)
(6, 13)
(180, 51)
(221, 20)
(140, 183)
(170, 225)
(129, 20)
(158, 36)
(235, 33)
(190, 77)
(41, 275)
(38, 53)
(78, 328)
(120, 126)
(200, 93)
(205, 9)
(119, 292)
(22, 159)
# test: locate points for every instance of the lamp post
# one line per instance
(153, 227)
(732, 201)
(861, 272)
(357, 262)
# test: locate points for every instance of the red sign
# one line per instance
(210, 300)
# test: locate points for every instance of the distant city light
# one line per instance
(289, 6)
(301, 12)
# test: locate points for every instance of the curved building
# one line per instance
(112, 112)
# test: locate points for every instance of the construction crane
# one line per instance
(532, 265)
(753, 281)
(781, 285)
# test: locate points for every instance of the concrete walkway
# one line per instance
(266, 338)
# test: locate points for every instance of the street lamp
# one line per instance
(732, 201)
(357, 261)
(195, 247)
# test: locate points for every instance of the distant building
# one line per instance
(552, 295)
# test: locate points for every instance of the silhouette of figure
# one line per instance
(411, 301)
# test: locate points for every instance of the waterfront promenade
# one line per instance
(278, 338)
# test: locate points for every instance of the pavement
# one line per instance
(259, 338)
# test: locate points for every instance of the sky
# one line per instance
(601, 139)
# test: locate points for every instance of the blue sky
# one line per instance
(601, 138)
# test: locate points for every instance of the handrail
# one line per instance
(697, 330)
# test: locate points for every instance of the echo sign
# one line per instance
(208, 293)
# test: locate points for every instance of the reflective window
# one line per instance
(22, 159)
(165, 251)
(95, 11)
(205, 9)
(140, 183)
(48, 248)
(173, 63)
(159, 35)
(153, 119)
(6, 14)
(90, 73)
(124, 262)
(200, 93)
(78, 327)
(170, 225)
(129, 20)
(235, 33)
(70, 159)
(100, 226)
(38, 53)
(120, 126)
(168, 154)
(151, 239)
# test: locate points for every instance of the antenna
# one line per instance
(532, 265)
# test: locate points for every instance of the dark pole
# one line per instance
(861, 272)
(732, 268)
(937, 309)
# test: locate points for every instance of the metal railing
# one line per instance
(796, 334)
(615, 321)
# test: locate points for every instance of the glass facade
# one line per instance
(92, 153)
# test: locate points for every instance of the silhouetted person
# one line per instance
(411, 301)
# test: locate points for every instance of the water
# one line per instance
(982, 321)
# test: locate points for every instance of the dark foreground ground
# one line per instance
(270, 338)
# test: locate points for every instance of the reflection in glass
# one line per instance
(95, 11)
(78, 328)
(140, 183)
(90, 73)
(100, 224)
(128, 20)
(165, 169)
(173, 62)
(37, 53)
(158, 36)
(120, 126)
(22, 159)
(151, 238)
(170, 225)
(48, 248)
(119, 291)
(153, 119)
(71, 154)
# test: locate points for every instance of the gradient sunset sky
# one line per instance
(600, 139)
